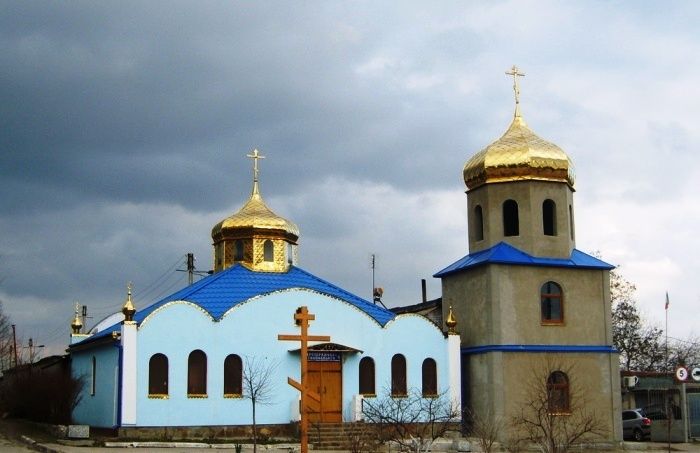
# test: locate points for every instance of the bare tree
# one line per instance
(486, 428)
(412, 421)
(7, 351)
(554, 413)
(258, 386)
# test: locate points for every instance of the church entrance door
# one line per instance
(325, 377)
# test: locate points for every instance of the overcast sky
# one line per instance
(124, 128)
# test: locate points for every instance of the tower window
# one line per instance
(551, 303)
(429, 378)
(233, 376)
(238, 253)
(158, 375)
(558, 393)
(478, 223)
(549, 218)
(290, 253)
(197, 374)
(398, 376)
(268, 251)
(367, 377)
(511, 223)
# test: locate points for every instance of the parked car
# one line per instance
(635, 425)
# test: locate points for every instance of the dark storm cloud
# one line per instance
(100, 100)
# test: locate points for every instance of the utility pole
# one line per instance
(190, 268)
(14, 343)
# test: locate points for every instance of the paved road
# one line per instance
(10, 446)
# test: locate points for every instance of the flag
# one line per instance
(666, 307)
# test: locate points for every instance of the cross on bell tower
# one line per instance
(515, 72)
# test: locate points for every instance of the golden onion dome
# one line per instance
(254, 215)
(518, 155)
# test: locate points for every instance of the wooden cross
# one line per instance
(515, 72)
(302, 318)
(255, 156)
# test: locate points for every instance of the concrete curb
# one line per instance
(31, 443)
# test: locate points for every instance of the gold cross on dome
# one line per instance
(255, 156)
(77, 307)
(515, 72)
(129, 287)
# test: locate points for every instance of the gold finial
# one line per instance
(77, 323)
(451, 322)
(515, 72)
(128, 309)
(255, 156)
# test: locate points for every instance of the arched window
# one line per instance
(511, 223)
(429, 378)
(558, 393)
(158, 375)
(398, 376)
(268, 251)
(549, 218)
(551, 303)
(93, 375)
(367, 376)
(233, 376)
(238, 253)
(197, 374)
(478, 223)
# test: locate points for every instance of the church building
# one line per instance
(524, 295)
(183, 361)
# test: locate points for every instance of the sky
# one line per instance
(124, 129)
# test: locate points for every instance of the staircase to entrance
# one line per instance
(342, 436)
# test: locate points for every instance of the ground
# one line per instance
(15, 433)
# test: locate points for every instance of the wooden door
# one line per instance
(326, 379)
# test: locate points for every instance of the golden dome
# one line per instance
(255, 236)
(77, 323)
(451, 322)
(254, 215)
(518, 155)
(128, 309)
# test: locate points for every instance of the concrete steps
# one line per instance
(342, 436)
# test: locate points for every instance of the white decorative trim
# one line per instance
(174, 302)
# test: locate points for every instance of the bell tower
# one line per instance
(520, 191)
(524, 294)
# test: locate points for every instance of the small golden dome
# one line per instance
(77, 323)
(128, 309)
(519, 155)
(451, 322)
(254, 215)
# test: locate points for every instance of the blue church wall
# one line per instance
(98, 405)
(250, 329)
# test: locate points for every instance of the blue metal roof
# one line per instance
(503, 253)
(219, 292)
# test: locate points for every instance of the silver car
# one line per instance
(635, 425)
